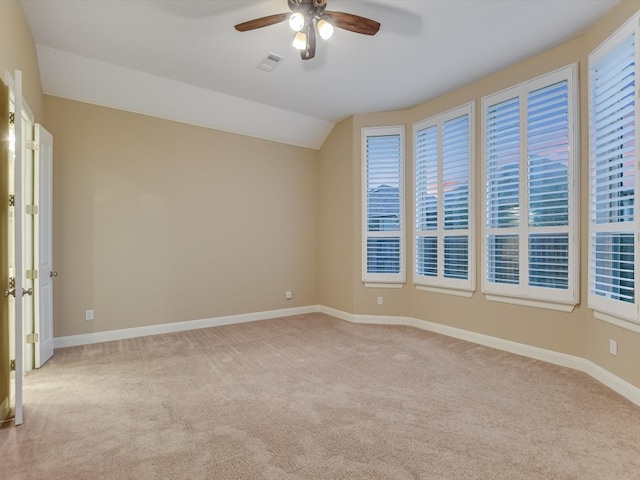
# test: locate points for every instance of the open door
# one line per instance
(5, 369)
(14, 234)
(43, 188)
(26, 155)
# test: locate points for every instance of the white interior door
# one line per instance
(43, 189)
(5, 148)
(16, 222)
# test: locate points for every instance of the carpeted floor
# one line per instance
(312, 397)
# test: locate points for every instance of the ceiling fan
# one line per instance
(306, 17)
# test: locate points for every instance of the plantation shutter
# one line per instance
(613, 181)
(427, 201)
(455, 181)
(384, 206)
(531, 206)
(442, 161)
(503, 191)
(548, 186)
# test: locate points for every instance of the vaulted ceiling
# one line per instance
(183, 60)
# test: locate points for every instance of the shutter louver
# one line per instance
(455, 172)
(456, 257)
(549, 260)
(503, 190)
(613, 275)
(548, 148)
(503, 164)
(427, 256)
(503, 259)
(427, 201)
(383, 183)
(383, 255)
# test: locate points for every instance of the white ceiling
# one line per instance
(183, 60)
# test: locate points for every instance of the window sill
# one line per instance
(445, 291)
(527, 302)
(617, 321)
(383, 285)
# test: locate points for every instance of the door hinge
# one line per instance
(33, 145)
(12, 118)
(12, 366)
(32, 209)
(12, 200)
(32, 274)
(32, 338)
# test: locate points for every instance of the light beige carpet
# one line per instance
(312, 397)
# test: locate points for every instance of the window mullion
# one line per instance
(440, 223)
(524, 191)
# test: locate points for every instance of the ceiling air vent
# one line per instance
(270, 62)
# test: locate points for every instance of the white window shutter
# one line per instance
(613, 223)
(443, 233)
(530, 165)
(383, 201)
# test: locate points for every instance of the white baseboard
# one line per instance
(111, 335)
(605, 377)
(624, 388)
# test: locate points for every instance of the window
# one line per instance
(613, 224)
(443, 186)
(530, 174)
(383, 206)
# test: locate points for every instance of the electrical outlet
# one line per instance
(613, 348)
(88, 315)
(288, 295)
(380, 300)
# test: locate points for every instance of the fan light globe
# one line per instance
(325, 29)
(296, 21)
(300, 41)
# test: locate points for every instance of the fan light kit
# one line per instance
(309, 16)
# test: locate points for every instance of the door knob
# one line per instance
(53, 274)
(26, 292)
(8, 292)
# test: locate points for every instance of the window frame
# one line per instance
(384, 280)
(439, 283)
(523, 293)
(617, 312)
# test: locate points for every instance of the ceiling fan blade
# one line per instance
(353, 23)
(262, 22)
(309, 52)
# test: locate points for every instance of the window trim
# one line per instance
(439, 283)
(383, 280)
(524, 294)
(621, 314)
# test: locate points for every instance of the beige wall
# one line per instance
(158, 221)
(336, 229)
(18, 52)
(576, 333)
